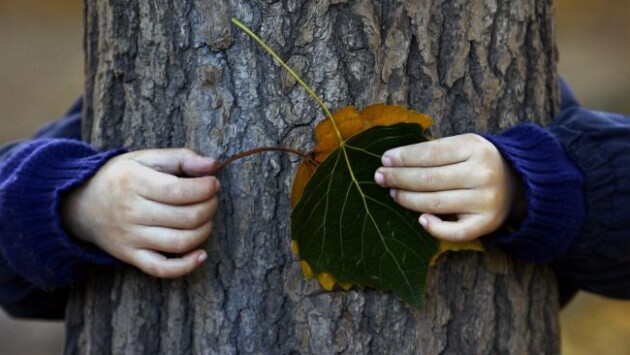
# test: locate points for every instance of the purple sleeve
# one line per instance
(32, 241)
(37, 257)
(577, 179)
(553, 186)
(598, 259)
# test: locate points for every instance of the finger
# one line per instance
(449, 177)
(177, 161)
(441, 202)
(150, 213)
(156, 186)
(158, 265)
(438, 152)
(466, 228)
(174, 241)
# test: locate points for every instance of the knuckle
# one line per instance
(403, 156)
(494, 221)
(207, 187)
(202, 188)
(487, 150)
(214, 205)
(486, 175)
(184, 242)
(429, 152)
(122, 209)
(436, 202)
(177, 244)
(397, 156)
(188, 220)
(430, 180)
(202, 233)
(123, 237)
(120, 177)
(187, 151)
(161, 271)
(474, 139)
(389, 176)
(493, 199)
(401, 197)
(200, 216)
(133, 213)
(174, 188)
(195, 218)
(463, 234)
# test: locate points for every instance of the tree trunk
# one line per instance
(177, 73)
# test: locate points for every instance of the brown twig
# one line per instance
(260, 150)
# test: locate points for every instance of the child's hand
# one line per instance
(137, 207)
(464, 176)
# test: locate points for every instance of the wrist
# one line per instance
(70, 212)
(518, 204)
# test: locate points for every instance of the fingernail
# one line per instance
(210, 162)
(202, 257)
(386, 159)
(393, 192)
(217, 185)
(379, 178)
(424, 221)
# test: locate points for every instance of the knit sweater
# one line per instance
(577, 180)
(576, 175)
(37, 258)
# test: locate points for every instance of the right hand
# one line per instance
(143, 204)
(464, 176)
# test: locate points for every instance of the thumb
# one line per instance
(466, 228)
(177, 161)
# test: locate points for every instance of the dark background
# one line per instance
(41, 73)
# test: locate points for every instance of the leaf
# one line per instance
(349, 227)
(351, 123)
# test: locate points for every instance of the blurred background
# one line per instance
(41, 73)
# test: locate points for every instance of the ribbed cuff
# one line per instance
(34, 243)
(554, 190)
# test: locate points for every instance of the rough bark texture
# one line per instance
(174, 73)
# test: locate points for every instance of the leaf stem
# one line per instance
(297, 78)
(249, 152)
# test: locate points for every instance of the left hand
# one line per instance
(152, 209)
(463, 175)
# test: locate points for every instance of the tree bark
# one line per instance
(177, 73)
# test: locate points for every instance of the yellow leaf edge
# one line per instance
(444, 246)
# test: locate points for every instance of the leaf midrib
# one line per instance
(355, 181)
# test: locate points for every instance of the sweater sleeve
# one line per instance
(553, 187)
(598, 260)
(32, 241)
(37, 258)
(577, 181)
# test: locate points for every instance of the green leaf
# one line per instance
(348, 226)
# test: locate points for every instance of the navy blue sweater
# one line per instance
(576, 175)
